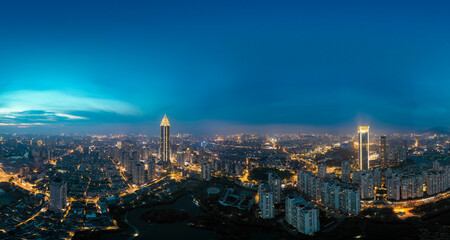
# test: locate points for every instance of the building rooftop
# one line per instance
(165, 121)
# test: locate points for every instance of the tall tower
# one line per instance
(363, 140)
(383, 153)
(164, 147)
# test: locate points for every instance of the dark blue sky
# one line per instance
(214, 65)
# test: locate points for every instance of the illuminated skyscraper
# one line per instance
(363, 154)
(383, 152)
(164, 147)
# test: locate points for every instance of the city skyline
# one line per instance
(64, 185)
(228, 119)
(224, 67)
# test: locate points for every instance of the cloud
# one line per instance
(69, 116)
(28, 107)
(21, 124)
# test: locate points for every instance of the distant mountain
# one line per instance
(438, 131)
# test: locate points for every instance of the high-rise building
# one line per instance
(164, 147)
(383, 152)
(303, 216)
(377, 177)
(188, 156)
(322, 170)
(435, 182)
(363, 153)
(356, 177)
(49, 155)
(151, 169)
(266, 202)
(324, 192)
(275, 186)
(393, 187)
(396, 154)
(389, 172)
(446, 177)
(206, 171)
(58, 195)
(138, 173)
(180, 158)
(346, 171)
(24, 171)
(341, 196)
(127, 162)
(37, 160)
(289, 208)
(436, 166)
(354, 200)
(367, 191)
(309, 184)
(333, 198)
(418, 185)
(411, 186)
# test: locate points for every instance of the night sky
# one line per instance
(216, 66)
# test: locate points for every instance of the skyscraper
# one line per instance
(363, 154)
(164, 147)
(58, 195)
(383, 152)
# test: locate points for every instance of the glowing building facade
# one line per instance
(164, 148)
(363, 153)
